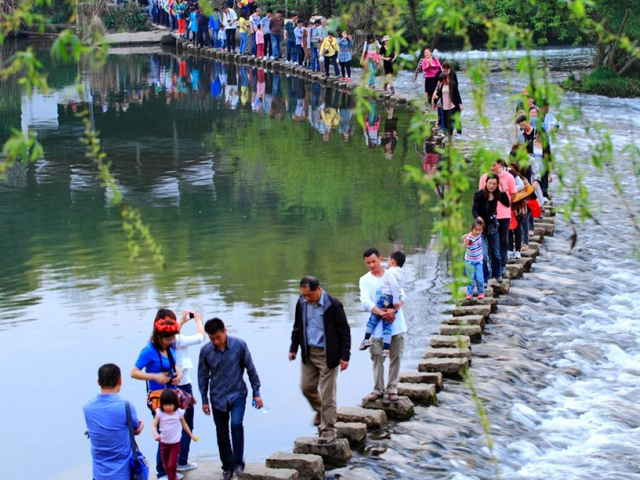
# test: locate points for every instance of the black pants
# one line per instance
(449, 120)
(268, 49)
(515, 237)
(300, 54)
(203, 32)
(503, 231)
(231, 456)
(185, 441)
(345, 68)
(328, 60)
(231, 39)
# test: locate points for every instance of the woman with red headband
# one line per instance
(157, 359)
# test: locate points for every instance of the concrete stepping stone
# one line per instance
(466, 320)
(460, 310)
(431, 378)
(334, 454)
(372, 418)
(500, 288)
(474, 332)
(261, 472)
(419, 392)
(525, 261)
(309, 467)
(530, 254)
(514, 270)
(549, 228)
(533, 245)
(536, 239)
(355, 432)
(447, 353)
(449, 367)
(492, 302)
(450, 341)
(402, 409)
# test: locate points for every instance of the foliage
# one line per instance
(130, 18)
(603, 81)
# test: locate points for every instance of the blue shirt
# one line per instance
(265, 25)
(153, 361)
(106, 420)
(220, 373)
(313, 316)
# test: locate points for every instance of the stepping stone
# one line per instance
(500, 288)
(539, 231)
(334, 454)
(536, 238)
(459, 310)
(533, 245)
(449, 367)
(525, 261)
(432, 378)
(355, 432)
(549, 228)
(419, 392)
(529, 254)
(260, 472)
(513, 271)
(492, 302)
(474, 332)
(450, 341)
(447, 353)
(402, 409)
(372, 418)
(466, 320)
(309, 467)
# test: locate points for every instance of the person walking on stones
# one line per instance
(370, 291)
(224, 393)
(106, 419)
(230, 23)
(321, 331)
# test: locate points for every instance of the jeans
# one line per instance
(292, 54)
(276, 40)
(231, 457)
(494, 255)
(231, 39)
(329, 60)
(385, 301)
(243, 42)
(216, 40)
(345, 69)
(515, 236)
(372, 72)
(254, 47)
(503, 231)
(475, 276)
(315, 61)
(524, 226)
(185, 441)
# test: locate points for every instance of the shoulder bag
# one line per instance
(137, 462)
(153, 397)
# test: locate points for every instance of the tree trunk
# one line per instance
(414, 20)
(612, 46)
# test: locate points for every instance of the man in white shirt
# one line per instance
(370, 290)
(230, 20)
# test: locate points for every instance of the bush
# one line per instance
(603, 81)
(129, 17)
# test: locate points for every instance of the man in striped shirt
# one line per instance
(473, 259)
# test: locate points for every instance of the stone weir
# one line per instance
(185, 48)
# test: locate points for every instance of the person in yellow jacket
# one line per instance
(329, 50)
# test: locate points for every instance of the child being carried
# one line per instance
(392, 284)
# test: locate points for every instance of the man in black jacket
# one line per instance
(324, 337)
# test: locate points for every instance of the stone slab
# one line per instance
(487, 300)
(402, 409)
(372, 418)
(514, 270)
(334, 454)
(447, 353)
(432, 378)
(447, 366)
(450, 341)
(419, 392)
(549, 228)
(530, 254)
(474, 332)
(525, 261)
(536, 238)
(355, 432)
(459, 310)
(466, 320)
(309, 467)
(264, 473)
(500, 288)
(254, 471)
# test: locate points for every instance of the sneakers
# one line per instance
(373, 396)
(239, 471)
(469, 296)
(480, 296)
(349, 80)
(517, 255)
(187, 467)
(179, 477)
(342, 79)
(327, 436)
(226, 475)
(386, 352)
(511, 255)
(459, 136)
(365, 344)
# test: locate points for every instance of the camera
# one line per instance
(191, 315)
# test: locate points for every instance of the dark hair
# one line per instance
(490, 176)
(294, 15)
(214, 325)
(311, 282)
(502, 163)
(399, 258)
(165, 325)
(478, 222)
(371, 251)
(279, 11)
(443, 76)
(331, 33)
(243, 14)
(370, 38)
(317, 22)
(169, 397)
(269, 11)
(300, 21)
(216, 9)
(109, 375)
(446, 64)
(164, 313)
(521, 118)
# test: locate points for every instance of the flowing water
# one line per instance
(247, 192)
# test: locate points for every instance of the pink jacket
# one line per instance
(259, 36)
(433, 69)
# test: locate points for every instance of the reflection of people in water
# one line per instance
(430, 159)
(345, 127)
(390, 135)
(372, 126)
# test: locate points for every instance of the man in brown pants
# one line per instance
(321, 331)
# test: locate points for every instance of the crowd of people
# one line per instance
(320, 333)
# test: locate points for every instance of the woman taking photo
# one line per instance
(485, 203)
(156, 365)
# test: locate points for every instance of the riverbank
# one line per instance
(604, 82)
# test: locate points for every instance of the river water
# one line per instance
(246, 195)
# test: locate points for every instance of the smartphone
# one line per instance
(191, 315)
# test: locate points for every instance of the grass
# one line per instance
(605, 82)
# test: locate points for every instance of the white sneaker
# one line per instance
(187, 467)
(510, 255)
(459, 136)
(517, 255)
(179, 477)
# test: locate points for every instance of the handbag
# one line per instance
(536, 209)
(525, 192)
(185, 400)
(137, 462)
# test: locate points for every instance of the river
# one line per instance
(246, 194)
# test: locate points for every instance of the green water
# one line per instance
(244, 195)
